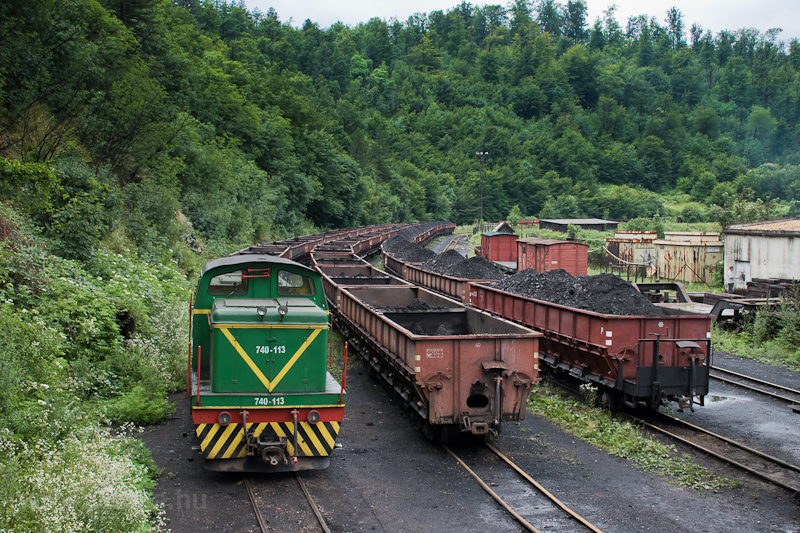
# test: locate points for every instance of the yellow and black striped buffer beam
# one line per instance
(228, 442)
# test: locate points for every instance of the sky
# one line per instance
(714, 15)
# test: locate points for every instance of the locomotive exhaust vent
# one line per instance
(477, 396)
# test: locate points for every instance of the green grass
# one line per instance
(774, 351)
(622, 438)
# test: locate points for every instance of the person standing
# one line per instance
(730, 279)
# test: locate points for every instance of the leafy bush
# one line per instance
(140, 406)
(29, 186)
(59, 470)
(692, 212)
(84, 212)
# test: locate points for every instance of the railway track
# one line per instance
(263, 523)
(518, 493)
(759, 464)
(772, 390)
(456, 241)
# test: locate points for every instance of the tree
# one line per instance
(575, 21)
(703, 186)
(549, 17)
(675, 27)
(57, 56)
(581, 69)
(520, 15)
(706, 121)
(743, 208)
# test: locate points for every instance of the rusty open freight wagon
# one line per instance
(459, 368)
(631, 358)
(451, 286)
(334, 277)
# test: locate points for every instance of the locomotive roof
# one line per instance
(250, 258)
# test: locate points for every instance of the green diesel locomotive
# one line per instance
(261, 395)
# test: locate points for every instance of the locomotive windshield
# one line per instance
(230, 284)
(292, 284)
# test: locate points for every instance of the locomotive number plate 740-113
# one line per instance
(269, 402)
(270, 349)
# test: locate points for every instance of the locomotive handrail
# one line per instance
(197, 402)
(189, 359)
(344, 374)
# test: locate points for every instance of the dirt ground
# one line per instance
(387, 477)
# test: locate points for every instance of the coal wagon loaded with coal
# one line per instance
(602, 330)
(599, 329)
(448, 273)
(461, 370)
(336, 276)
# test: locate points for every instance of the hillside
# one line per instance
(256, 130)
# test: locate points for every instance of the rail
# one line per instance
(524, 475)
(252, 495)
(756, 389)
(740, 463)
(262, 524)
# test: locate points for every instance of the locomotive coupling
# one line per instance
(268, 446)
(270, 450)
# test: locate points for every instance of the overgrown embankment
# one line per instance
(88, 350)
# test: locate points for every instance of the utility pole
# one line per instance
(482, 159)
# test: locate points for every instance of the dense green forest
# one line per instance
(139, 138)
(254, 130)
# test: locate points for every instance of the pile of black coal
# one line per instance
(419, 328)
(405, 250)
(451, 263)
(415, 305)
(603, 293)
(421, 325)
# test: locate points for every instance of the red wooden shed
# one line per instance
(497, 246)
(551, 254)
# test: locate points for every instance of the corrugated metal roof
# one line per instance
(547, 242)
(578, 221)
(668, 242)
(790, 225)
(503, 227)
(493, 233)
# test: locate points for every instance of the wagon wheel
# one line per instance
(444, 435)
(609, 399)
(437, 434)
(731, 326)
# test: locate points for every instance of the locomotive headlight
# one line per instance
(261, 310)
(313, 416)
(224, 418)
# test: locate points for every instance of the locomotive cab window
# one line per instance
(292, 284)
(230, 284)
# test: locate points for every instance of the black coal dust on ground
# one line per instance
(603, 293)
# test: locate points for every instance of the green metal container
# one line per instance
(268, 345)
